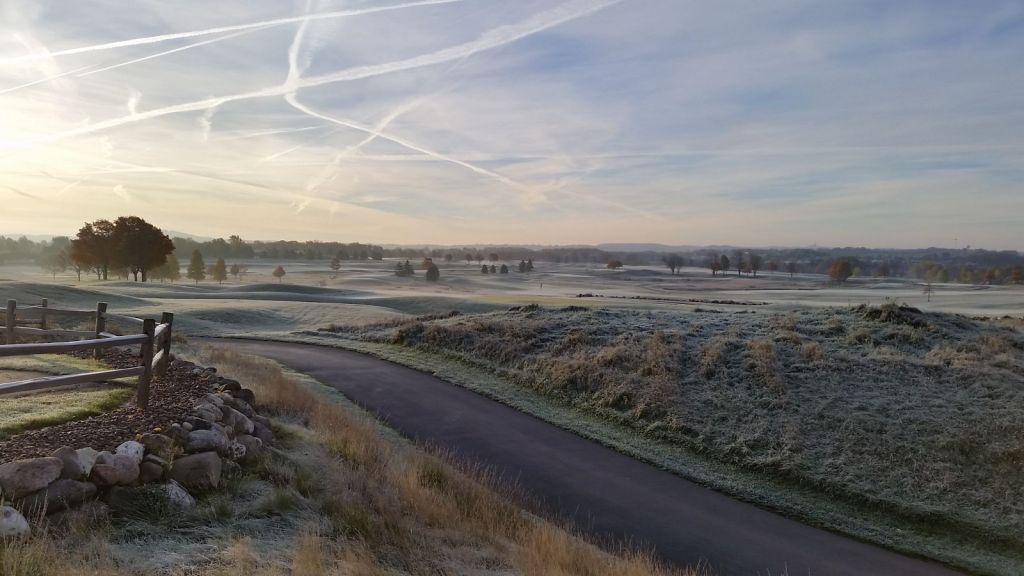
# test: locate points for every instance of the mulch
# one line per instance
(171, 398)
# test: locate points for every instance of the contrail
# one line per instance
(47, 79)
(20, 192)
(491, 39)
(222, 29)
(173, 50)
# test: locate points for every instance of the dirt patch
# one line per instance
(170, 398)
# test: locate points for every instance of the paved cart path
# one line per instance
(605, 492)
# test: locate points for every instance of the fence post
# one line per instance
(42, 314)
(12, 305)
(166, 318)
(101, 325)
(148, 327)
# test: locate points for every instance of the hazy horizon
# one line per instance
(873, 125)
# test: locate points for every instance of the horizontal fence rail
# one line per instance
(154, 342)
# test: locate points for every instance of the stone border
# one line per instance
(220, 434)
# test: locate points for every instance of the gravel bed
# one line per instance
(171, 397)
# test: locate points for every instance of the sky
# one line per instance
(792, 122)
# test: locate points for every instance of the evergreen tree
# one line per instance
(409, 271)
(433, 274)
(235, 270)
(522, 265)
(529, 265)
(485, 269)
(220, 271)
(504, 269)
(196, 267)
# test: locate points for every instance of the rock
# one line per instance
(150, 472)
(253, 447)
(57, 497)
(165, 464)
(208, 411)
(246, 395)
(178, 496)
(198, 423)
(214, 399)
(198, 372)
(134, 450)
(104, 475)
(12, 523)
(197, 471)
(211, 370)
(237, 421)
(261, 420)
(228, 431)
(187, 426)
(264, 433)
(23, 477)
(206, 441)
(117, 470)
(229, 385)
(72, 466)
(235, 451)
(158, 445)
(86, 457)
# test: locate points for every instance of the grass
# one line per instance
(338, 495)
(39, 410)
(905, 436)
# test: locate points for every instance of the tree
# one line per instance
(278, 273)
(522, 265)
(196, 267)
(485, 269)
(447, 257)
(738, 262)
(840, 271)
(169, 270)
(673, 261)
(93, 247)
(494, 269)
(715, 264)
(724, 262)
(433, 274)
(773, 266)
(479, 257)
(754, 261)
(503, 269)
(928, 291)
(493, 257)
(791, 268)
(614, 264)
(408, 269)
(1017, 275)
(335, 265)
(54, 263)
(468, 257)
(220, 271)
(139, 246)
(235, 270)
(529, 265)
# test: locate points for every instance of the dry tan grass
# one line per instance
(399, 483)
(712, 354)
(765, 361)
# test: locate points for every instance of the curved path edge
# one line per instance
(606, 493)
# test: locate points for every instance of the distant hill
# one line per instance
(638, 247)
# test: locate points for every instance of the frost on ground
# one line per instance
(917, 414)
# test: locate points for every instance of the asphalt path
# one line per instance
(607, 494)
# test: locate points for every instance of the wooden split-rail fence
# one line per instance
(35, 323)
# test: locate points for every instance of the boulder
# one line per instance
(57, 497)
(235, 451)
(86, 457)
(263, 432)
(234, 419)
(178, 497)
(198, 423)
(214, 399)
(245, 395)
(12, 523)
(158, 445)
(227, 431)
(208, 411)
(23, 477)
(114, 470)
(206, 441)
(197, 472)
(165, 464)
(150, 472)
(72, 466)
(229, 385)
(253, 447)
(243, 407)
(134, 450)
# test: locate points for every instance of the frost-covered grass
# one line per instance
(917, 418)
